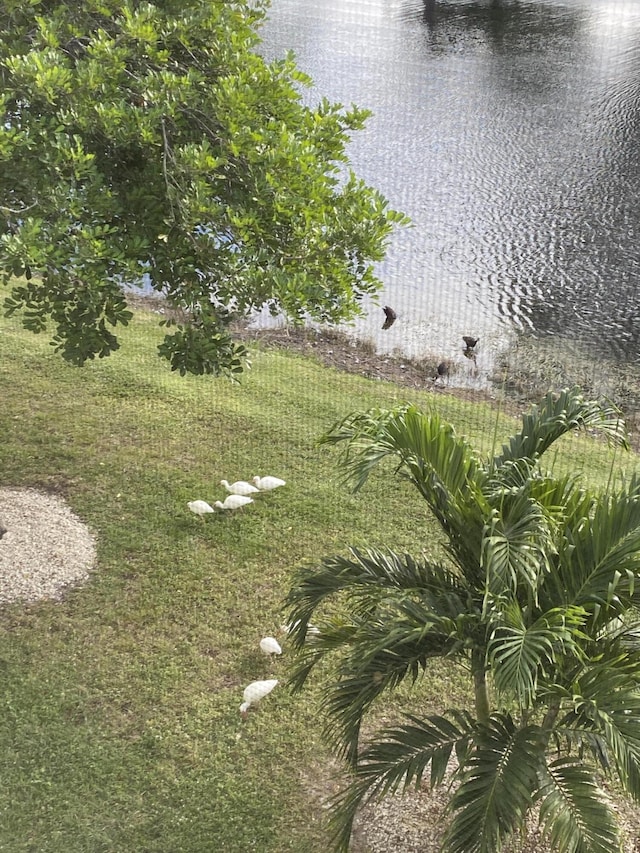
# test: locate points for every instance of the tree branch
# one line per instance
(6, 209)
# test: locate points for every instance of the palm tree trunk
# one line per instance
(480, 686)
(550, 717)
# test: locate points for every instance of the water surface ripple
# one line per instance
(509, 132)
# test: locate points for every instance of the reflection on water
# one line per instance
(509, 132)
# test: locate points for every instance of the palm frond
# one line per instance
(516, 545)
(599, 558)
(573, 810)
(624, 630)
(562, 498)
(398, 757)
(366, 577)
(400, 612)
(605, 713)
(513, 474)
(427, 449)
(622, 735)
(384, 652)
(556, 416)
(441, 465)
(519, 653)
(498, 789)
(367, 442)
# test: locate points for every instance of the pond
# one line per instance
(510, 133)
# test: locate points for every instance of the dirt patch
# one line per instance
(336, 349)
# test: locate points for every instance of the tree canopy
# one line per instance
(151, 139)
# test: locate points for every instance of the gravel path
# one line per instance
(46, 548)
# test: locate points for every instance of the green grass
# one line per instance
(120, 728)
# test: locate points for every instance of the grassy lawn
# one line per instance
(120, 729)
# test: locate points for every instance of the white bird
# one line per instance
(240, 487)
(233, 502)
(312, 631)
(256, 691)
(266, 484)
(270, 646)
(200, 508)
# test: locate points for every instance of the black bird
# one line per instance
(442, 371)
(391, 317)
(469, 341)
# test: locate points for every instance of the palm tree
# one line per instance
(537, 593)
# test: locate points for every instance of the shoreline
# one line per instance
(335, 349)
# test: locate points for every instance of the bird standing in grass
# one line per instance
(233, 502)
(240, 487)
(267, 484)
(270, 646)
(312, 631)
(200, 508)
(254, 692)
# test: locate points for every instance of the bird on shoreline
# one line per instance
(233, 502)
(390, 316)
(442, 371)
(240, 487)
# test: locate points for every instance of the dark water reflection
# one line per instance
(509, 132)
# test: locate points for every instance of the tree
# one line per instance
(537, 595)
(149, 138)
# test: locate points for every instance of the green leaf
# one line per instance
(397, 758)
(573, 810)
(401, 613)
(556, 416)
(498, 788)
(519, 653)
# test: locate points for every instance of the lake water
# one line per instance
(510, 133)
